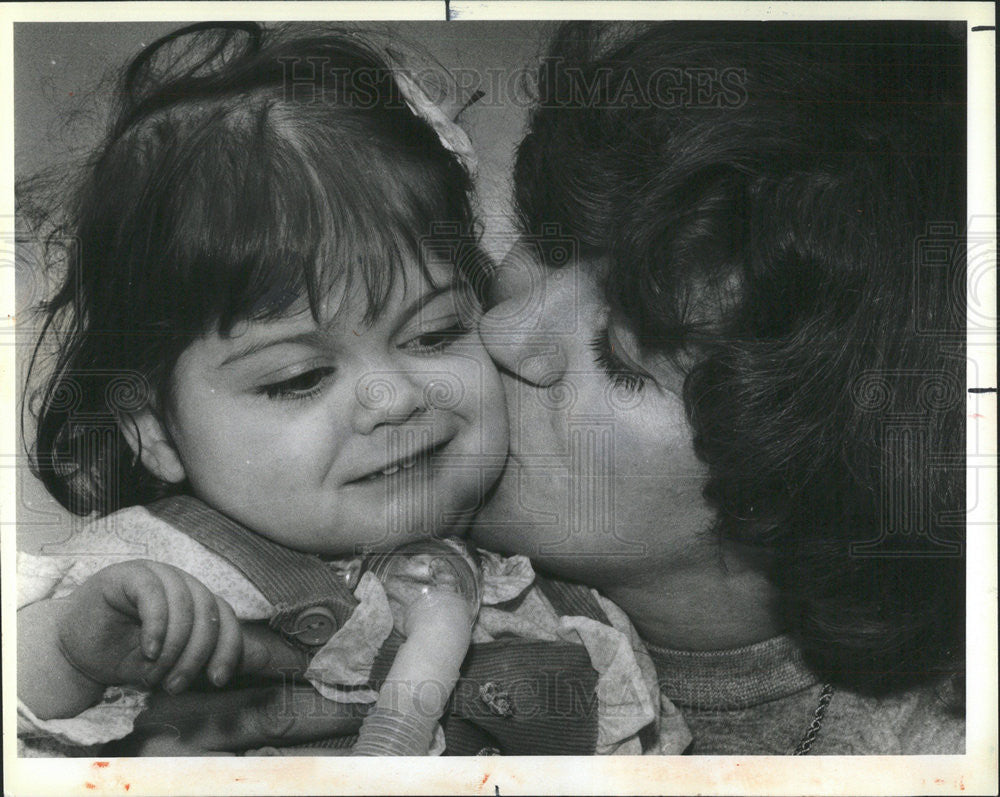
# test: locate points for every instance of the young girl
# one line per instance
(266, 356)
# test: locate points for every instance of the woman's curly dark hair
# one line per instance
(782, 206)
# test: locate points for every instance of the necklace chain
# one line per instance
(804, 746)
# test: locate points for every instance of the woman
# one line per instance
(729, 365)
(751, 454)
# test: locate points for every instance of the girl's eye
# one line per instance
(305, 385)
(437, 340)
(621, 375)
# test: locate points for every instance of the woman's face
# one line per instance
(602, 483)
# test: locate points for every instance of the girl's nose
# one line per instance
(385, 397)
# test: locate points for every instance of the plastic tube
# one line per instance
(434, 591)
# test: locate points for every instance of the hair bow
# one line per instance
(453, 138)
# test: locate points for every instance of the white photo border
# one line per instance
(972, 773)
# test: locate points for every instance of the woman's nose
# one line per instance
(521, 347)
(521, 329)
(385, 397)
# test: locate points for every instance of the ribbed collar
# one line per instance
(732, 679)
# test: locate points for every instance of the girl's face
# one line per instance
(337, 437)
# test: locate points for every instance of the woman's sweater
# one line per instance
(761, 700)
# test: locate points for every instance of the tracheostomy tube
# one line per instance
(434, 591)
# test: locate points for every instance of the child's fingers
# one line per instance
(138, 589)
(180, 619)
(201, 639)
(228, 647)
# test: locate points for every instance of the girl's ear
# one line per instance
(156, 448)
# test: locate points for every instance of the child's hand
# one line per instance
(142, 622)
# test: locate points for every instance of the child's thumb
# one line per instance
(266, 653)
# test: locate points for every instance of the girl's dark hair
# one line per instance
(783, 207)
(243, 169)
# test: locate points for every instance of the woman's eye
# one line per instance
(305, 385)
(437, 340)
(620, 374)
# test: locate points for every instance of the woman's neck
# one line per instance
(708, 605)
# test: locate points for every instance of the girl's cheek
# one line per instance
(478, 373)
(474, 347)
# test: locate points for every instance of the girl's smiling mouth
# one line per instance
(421, 457)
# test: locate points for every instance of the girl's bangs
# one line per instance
(279, 223)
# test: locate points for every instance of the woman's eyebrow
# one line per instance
(308, 337)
